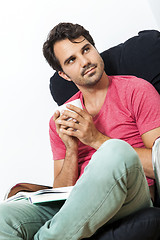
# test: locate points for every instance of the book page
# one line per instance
(44, 195)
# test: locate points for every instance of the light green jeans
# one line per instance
(113, 186)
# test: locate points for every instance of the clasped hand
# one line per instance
(77, 124)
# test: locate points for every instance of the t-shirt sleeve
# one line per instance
(145, 101)
(57, 145)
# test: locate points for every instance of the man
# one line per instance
(108, 176)
(93, 83)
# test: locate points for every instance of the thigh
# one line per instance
(113, 186)
(21, 219)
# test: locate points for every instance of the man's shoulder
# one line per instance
(131, 87)
(132, 81)
(126, 78)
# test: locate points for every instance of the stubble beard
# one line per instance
(92, 82)
(89, 81)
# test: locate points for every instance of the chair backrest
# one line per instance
(138, 56)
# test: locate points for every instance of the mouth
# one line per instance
(90, 70)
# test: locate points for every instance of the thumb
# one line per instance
(56, 115)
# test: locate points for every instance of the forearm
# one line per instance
(69, 172)
(145, 155)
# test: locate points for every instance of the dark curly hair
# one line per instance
(60, 32)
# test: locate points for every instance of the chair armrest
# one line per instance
(25, 187)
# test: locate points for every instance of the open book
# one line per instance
(41, 196)
(156, 163)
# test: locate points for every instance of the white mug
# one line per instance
(76, 103)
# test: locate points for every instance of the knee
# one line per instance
(9, 222)
(115, 152)
(11, 213)
(3, 209)
(5, 213)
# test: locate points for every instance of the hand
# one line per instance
(81, 127)
(69, 141)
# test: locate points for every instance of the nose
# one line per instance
(84, 61)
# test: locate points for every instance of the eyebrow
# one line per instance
(86, 45)
(68, 59)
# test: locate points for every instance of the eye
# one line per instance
(71, 60)
(86, 50)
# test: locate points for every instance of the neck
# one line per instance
(94, 96)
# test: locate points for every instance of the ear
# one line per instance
(63, 75)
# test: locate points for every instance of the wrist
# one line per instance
(71, 144)
(72, 148)
(99, 140)
(71, 154)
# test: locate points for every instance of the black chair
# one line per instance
(142, 225)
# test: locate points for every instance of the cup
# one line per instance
(76, 103)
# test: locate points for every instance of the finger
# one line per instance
(64, 127)
(65, 117)
(56, 115)
(81, 112)
(68, 124)
(71, 129)
(70, 132)
(72, 115)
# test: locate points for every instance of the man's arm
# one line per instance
(66, 170)
(87, 133)
(146, 153)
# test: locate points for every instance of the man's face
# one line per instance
(80, 61)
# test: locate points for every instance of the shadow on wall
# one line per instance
(155, 7)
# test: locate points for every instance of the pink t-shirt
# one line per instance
(131, 108)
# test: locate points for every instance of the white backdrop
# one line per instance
(25, 101)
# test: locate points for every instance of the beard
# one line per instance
(93, 79)
(89, 79)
